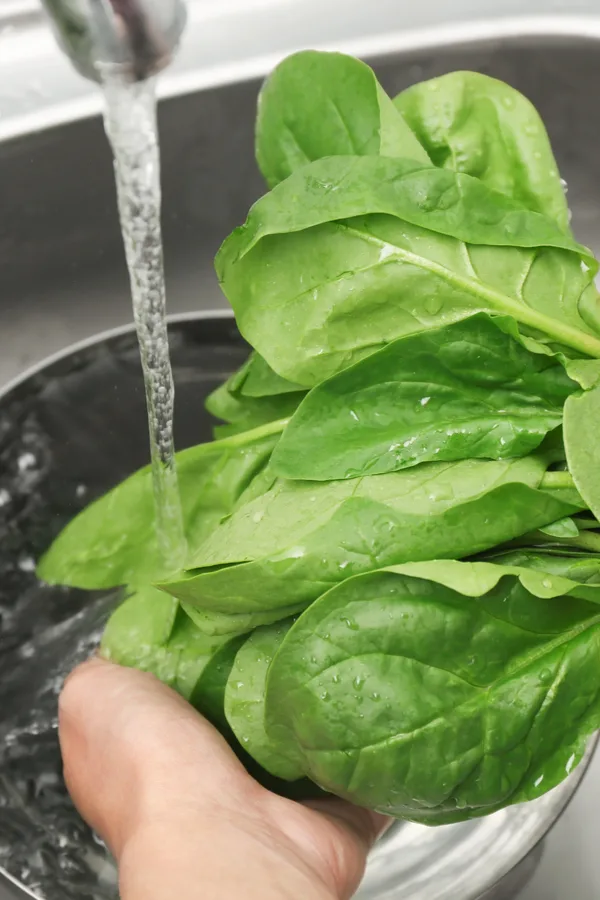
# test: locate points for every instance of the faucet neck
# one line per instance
(135, 38)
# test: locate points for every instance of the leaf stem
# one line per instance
(587, 540)
(234, 440)
(556, 480)
(255, 434)
(494, 301)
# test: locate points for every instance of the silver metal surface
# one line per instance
(228, 41)
(132, 38)
(62, 278)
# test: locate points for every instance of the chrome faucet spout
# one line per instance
(134, 39)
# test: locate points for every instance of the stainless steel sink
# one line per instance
(62, 275)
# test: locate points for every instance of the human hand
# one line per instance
(180, 813)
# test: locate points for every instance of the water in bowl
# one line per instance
(68, 434)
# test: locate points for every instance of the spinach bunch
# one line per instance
(393, 585)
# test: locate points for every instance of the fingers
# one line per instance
(133, 751)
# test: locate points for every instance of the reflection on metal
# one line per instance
(227, 41)
(136, 38)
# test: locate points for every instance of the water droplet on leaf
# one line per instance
(433, 305)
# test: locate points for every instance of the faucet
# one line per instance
(133, 39)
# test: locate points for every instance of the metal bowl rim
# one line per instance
(101, 337)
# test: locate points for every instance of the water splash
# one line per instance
(131, 126)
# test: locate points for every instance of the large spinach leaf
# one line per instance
(472, 123)
(319, 104)
(440, 691)
(286, 548)
(113, 541)
(245, 702)
(352, 252)
(469, 390)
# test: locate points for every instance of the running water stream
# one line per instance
(45, 632)
(131, 126)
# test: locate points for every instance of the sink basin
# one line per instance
(62, 274)
(63, 280)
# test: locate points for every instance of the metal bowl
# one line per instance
(62, 279)
(69, 431)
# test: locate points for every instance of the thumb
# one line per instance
(133, 751)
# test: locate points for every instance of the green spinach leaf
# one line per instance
(217, 624)
(208, 696)
(440, 691)
(113, 541)
(254, 396)
(468, 390)
(352, 252)
(139, 629)
(581, 424)
(257, 379)
(247, 413)
(562, 528)
(287, 547)
(319, 104)
(577, 567)
(245, 702)
(475, 124)
(148, 632)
